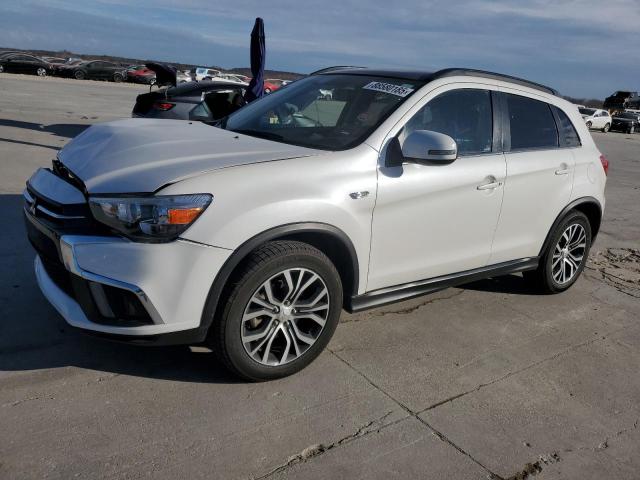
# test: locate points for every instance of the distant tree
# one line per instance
(587, 102)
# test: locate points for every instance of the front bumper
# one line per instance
(112, 286)
(171, 280)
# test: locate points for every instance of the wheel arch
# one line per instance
(330, 240)
(590, 206)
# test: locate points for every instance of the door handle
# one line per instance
(563, 170)
(492, 183)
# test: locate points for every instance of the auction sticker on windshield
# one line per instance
(388, 88)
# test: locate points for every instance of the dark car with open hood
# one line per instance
(622, 100)
(204, 101)
(627, 122)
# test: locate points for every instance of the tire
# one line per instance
(632, 129)
(117, 78)
(588, 124)
(545, 278)
(278, 349)
(1, 68)
(79, 75)
(606, 128)
(153, 81)
(41, 72)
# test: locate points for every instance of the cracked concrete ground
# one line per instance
(484, 381)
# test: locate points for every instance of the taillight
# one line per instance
(164, 106)
(605, 164)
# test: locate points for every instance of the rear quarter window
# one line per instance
(568, 133)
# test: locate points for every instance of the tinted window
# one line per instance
(586, 111)
(568, 134)
(464, 115)
(532, 124)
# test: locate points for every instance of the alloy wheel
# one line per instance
(285, 316)
(568, 254)
(41, 72)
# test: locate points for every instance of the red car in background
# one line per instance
(270, 86)
(141, 74)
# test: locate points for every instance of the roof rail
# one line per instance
(336, 67)
(451, 72)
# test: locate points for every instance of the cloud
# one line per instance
(583, 48)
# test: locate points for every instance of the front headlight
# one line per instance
(159, 218)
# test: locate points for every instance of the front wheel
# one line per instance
(117, 78)
(588, 124)
(281, 310)
(79, 75)
(606, 128)
(564, 259)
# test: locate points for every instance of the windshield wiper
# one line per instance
(260, 134)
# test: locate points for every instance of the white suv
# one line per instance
(253, 235)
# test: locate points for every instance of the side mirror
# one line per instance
(430, 147)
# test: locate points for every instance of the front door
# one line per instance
(433, 220)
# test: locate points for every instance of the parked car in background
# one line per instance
(627, 122)
(253, 237)
(23, 63)
(229, 77)
(93, 70)
(596, 118)
(242, 78)
(203, 73)
(269, 87)
(141, 74)
(622, 100)
(204, 101)
(184, 76)
(55, 60)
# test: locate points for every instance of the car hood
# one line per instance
(143, 155)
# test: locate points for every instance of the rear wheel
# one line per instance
(281, 310)
(588, 124)
(1, 68)
(606, 128)
(79, 75)
(41, 72)
(117, 77)
(563, 261)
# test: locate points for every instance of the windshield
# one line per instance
(587, 111)
(328, 112)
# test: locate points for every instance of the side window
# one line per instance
(532, 124)
(568, 134)
(465, 115)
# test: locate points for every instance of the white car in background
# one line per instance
(203, 73)
(595, 118)
(183, 76)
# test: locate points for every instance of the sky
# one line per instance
(583, 48)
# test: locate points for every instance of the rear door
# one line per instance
(539, 176)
